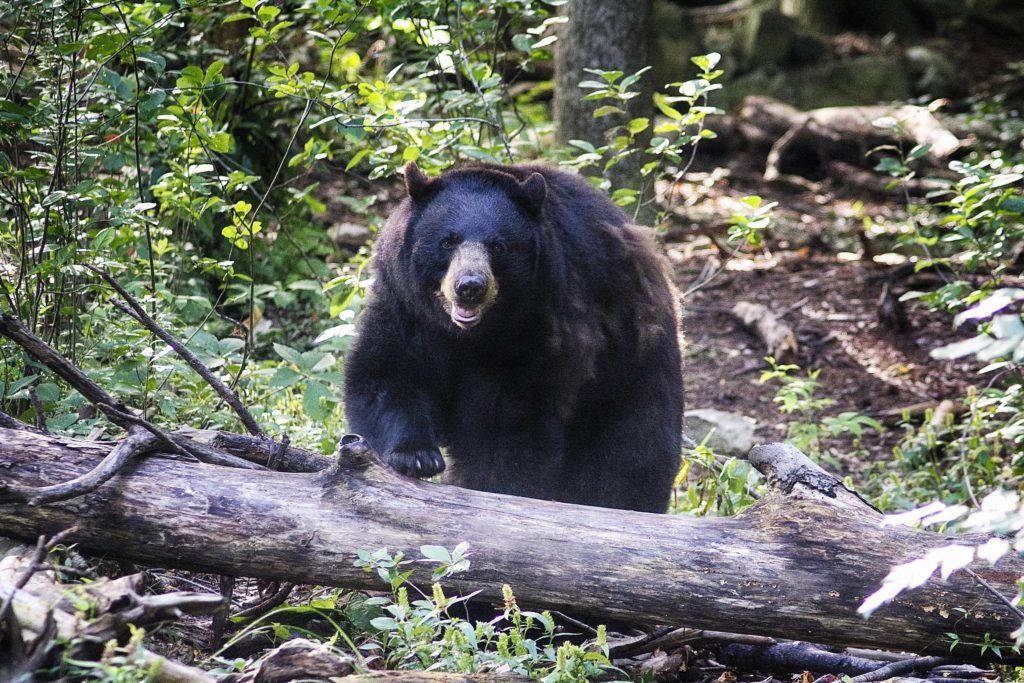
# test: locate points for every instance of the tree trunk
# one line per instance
(609, 35)
(796, 565)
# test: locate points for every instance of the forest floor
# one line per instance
(814, 276)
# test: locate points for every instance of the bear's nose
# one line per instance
(470, 289)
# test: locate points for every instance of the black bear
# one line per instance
(520, 321)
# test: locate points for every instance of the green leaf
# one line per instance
(288, 353)
(707, 62)
(544, 42)
(325, 363)
(1004, 179)
(213, 71)
(919, 151)
(607, 110)
(522, 42)
(220, 142)
(384, 624)
(993, 303)
(70, 48)
(584, 145)
(315, 391)
(1007, 326)
(661, 102)
(15, 387)
(267, 13)
(48, 392)
(284, 376)
(890, 165)
(638, 125)
(633, 78)
(436, 553)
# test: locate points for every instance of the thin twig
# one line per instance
(279, 453)
(261, 607)
(138, 441)
(464, 58)
(180, 445)
(37, 406)
(220, 619)
(116, 411)
(12, 328)
(35, 562)
(576, 623)
(905, 666)
(633, 646)
(991, 589)
(135, 310)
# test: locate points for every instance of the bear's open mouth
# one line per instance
(466, 316)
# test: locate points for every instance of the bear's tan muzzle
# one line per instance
(469, 287)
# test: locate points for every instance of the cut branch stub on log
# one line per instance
(796, 565)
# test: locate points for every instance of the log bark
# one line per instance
(796, 565)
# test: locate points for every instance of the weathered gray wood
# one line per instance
(254, 449)
(796, 565)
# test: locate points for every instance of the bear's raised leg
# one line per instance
(385, 402)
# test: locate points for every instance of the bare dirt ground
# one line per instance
(813, 275)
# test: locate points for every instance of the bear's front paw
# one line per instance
(420, 464)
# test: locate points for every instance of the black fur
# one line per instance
(568, 388)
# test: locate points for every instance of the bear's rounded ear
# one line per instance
(534, 189)
(416, 182)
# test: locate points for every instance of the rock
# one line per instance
(932, 73)
(816, 16)
(767, 36)
(733, 433)
(862, 80)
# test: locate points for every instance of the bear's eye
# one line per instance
(451, 241)
(497, 248)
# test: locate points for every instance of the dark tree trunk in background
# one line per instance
(609, 35)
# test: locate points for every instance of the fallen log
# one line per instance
(796, 565)
(801, 144)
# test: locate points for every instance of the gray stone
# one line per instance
(862, 80)
(350, 235)
(733, 433)
(818, 16)
(932, 72)
(767, 36)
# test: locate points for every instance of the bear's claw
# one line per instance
(421, 464)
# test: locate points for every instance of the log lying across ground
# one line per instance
(796, 565)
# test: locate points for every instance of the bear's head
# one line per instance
(475, 236)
